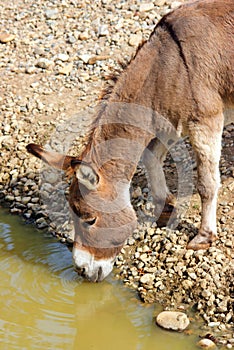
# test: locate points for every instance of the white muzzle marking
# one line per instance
(93, 270)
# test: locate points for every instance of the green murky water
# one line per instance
(44, 304)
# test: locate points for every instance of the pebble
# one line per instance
(206, 344)
(51, 14)
(85, 58)
(213, 324)
(148, 278)
(175, 4)
(103, 30)
(44, 63)
(173, 320)
(6, 37)
(94, 59)
(84, 36)
(25, 200)
(65, 70)
(135, 39)
(62, 57)
(145, 7)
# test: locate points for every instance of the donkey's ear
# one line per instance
(56, 160)
(86, 175)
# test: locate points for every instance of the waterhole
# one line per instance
(44, 304)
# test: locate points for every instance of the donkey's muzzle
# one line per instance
(88, 267)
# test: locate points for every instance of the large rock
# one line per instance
(176, 321)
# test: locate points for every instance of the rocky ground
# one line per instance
(54, 57)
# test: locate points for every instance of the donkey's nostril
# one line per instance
(99, 273)
(82, 270)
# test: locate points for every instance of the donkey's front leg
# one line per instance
(164, 201)
(206, 141)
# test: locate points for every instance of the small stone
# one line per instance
(135, 39)
(71, 39)
(7, 129)
(30, 69)
(66, 70)
(131, 241)
(187, 284)
(146, 7)
(159, 2)
(144, 257)
(94, 59)
(85, 58)
(192, 275)
(41, 223)
(9, 198)
(84, 36)
(213, 324)
(137, 193)
(26, 200)
(44, 63)
(103, 30)
(147, 278)
(51, 14)
(206, 344)
(6, 37)
(175, 4)
(62, 57)
(173, 320)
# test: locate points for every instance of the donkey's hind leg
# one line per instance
(164, 201)
(206, 141)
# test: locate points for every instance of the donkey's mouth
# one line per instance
(88, 267)
(96, 277)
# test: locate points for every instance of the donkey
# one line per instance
(180, 83)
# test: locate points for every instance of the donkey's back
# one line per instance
(196, 58)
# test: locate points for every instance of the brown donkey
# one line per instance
(180, 83)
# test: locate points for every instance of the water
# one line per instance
(44, 304)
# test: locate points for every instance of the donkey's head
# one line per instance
(102, 214)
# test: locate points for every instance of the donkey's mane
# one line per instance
(113, 77)
(111, 80)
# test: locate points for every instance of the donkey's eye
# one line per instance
(89, 222)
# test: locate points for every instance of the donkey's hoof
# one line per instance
(168, 214)
(201, 242)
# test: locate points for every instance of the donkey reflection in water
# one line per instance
(180, 83)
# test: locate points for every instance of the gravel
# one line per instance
(54, 57)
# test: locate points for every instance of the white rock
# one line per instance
(213, 324)
(25, 200)
(44, 63)
(65, 70)
(51, 14)
(147, 278)
(159, 2)
(173, 320)
(146, 7)
(175, 4)
(85, 58)
(135, 39)
(206, 344)
(62, 57)
(103, 30)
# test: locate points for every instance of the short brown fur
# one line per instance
(185, 74)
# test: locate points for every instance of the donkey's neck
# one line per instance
(130, 118)
(119, 140)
